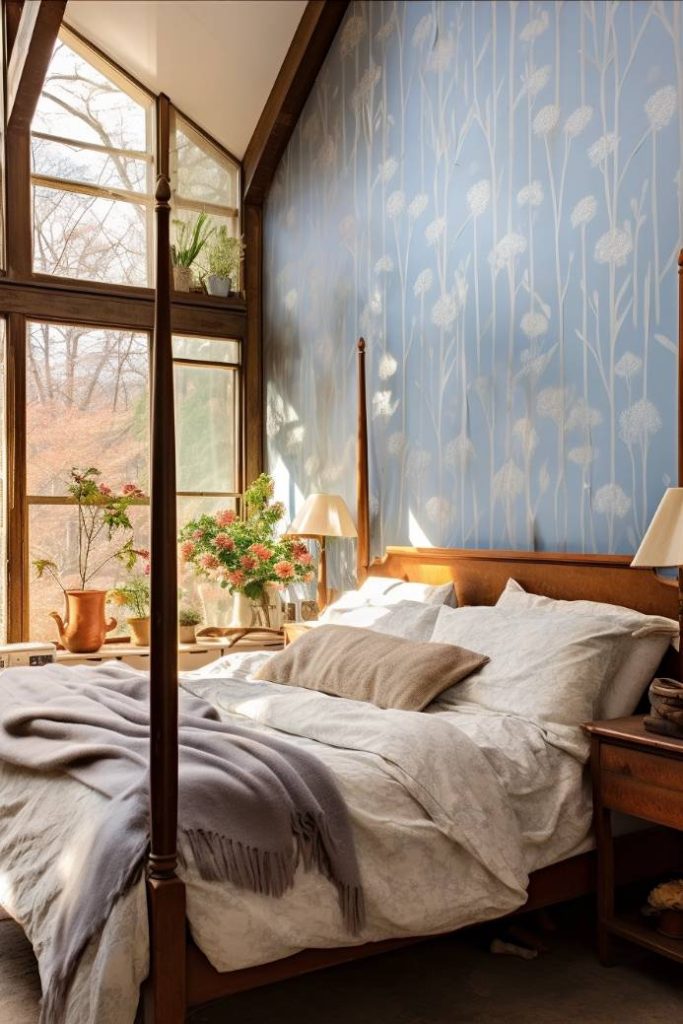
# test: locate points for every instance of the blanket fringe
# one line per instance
(271, 873)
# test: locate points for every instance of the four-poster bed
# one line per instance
(180, 975)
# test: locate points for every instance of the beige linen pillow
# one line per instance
(347, 661)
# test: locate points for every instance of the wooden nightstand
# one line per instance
(641, 774)
(293, 630)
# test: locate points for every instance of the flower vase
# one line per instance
(242, 611)
(268, 611)
(86, 626)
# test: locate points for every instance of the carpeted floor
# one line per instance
(452, 980)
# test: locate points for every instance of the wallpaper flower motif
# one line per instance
(490, 193)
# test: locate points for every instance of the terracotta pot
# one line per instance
(86, 627)
(187, 634)
(671, 923)
(182, 279)
(139, 631)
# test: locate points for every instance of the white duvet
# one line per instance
(451, 811)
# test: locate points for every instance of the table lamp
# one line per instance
(662, 547)
(322, 516)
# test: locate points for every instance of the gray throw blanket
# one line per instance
(251, 807)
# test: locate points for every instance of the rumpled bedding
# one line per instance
(451, 810)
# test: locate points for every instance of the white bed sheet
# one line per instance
(450, 810)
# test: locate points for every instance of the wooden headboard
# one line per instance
(480, 576)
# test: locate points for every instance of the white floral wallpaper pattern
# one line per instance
(490, 194)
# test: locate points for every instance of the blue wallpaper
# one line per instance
(490, 194)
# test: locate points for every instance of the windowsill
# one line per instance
(45, 282)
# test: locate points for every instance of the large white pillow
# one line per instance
(553, 677)
(383, 590)
(410, 620)
(652, 633)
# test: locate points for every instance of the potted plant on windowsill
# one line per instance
(190, 240)
(245, 555)
(134, 595)
(101, 514)
(188, 620)
(225, 260)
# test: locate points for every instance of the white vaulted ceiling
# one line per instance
(217, 60)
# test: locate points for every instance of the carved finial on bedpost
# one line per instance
(362, 482)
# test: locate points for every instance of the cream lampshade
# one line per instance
(662, 544)
(662, 547)
(321, 516)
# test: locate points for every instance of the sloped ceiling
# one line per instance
(217, 60)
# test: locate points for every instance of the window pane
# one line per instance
(199, 171)
(79, 102)
(72, 163)
(87, 405)
(205, 428)
(201, 264)
(53, 534)
(209, 350)
(89, 237)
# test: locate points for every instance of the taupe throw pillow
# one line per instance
(364, 665)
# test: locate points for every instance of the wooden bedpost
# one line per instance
(165, 995)
(362, 479)
(680, 446)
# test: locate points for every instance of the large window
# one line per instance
(78, 366)
(88, 405)
(92, 171)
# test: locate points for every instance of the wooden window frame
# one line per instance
(26, 295)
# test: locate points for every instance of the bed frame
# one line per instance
(180, 976)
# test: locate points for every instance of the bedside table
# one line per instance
(641, 774)
(293, 630)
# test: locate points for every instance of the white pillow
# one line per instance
(653, 633)
(553, 677)
(383, 590)
(410, 620)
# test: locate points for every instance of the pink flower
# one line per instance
(247, 562)
(224, 541)
(298, 548)
(236, 578)
(104, 489)
(131, 490)
(305, 558)
(147, 569)
(209, 561)
(261, 552)
(198, 534)
(187, 550)
(226, 518)
(284, 569)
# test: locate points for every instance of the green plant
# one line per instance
(190, 240)
(189, 617)
(134, 594)
(225, 255)
(100, 512)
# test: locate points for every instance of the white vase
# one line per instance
(242, 611)
(218, 285)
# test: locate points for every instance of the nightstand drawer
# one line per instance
(642, 784)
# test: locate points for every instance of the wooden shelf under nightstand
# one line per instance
(638, 773)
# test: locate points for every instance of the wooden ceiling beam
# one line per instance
(36, 34)
(309, 47)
